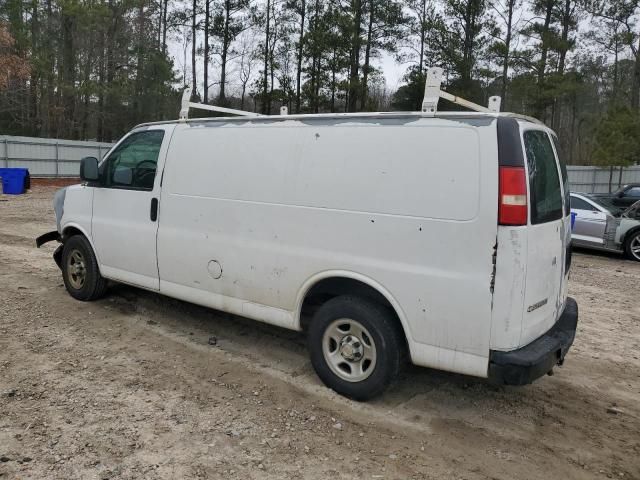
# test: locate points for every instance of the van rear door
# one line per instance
(548, 234)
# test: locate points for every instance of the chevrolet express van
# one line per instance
(443, 238)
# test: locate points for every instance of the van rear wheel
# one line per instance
(80, 270)
(356, 346)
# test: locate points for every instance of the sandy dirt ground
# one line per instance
(130, 387)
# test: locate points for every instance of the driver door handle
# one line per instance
(153, 214)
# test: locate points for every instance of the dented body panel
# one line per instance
(297, 201)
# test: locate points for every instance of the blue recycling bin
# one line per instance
(14, 180)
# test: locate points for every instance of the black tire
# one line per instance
(382, 327)
(93, 285)
(632, 241)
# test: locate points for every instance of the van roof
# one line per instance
(340, 116)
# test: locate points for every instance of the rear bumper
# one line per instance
(524, 365)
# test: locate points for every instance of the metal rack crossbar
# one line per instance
(187, 104)
(432, 94)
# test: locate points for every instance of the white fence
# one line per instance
(48, 157)
(596, 180)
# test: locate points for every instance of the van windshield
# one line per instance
(544, 183)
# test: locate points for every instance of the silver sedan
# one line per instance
(605, 227)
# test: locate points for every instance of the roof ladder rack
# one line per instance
(187, 104)
(432, 94)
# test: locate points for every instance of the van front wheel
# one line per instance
(80, 270)
(356, 346)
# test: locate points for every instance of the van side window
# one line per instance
(544, 184)
(132, 165)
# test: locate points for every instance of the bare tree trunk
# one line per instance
(194, 79)
(47, 108)
(110, 71)
(272, 48)
(101, 85)
(507, 48)
(354, 68)
(423, 34)
(620, 176)
(68, 72)
(614, 93)
(164, 27)
(542, 65)
(565, 20)
(333, 82)
(610, 177)
(367, 56)
(300, 53)
(33, 82)
(137, 104)
(225, 51)
(205, 64)
(265, 78)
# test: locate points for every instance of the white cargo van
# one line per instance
(443, 238)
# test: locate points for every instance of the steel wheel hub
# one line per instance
(76, 269)
(349, 350)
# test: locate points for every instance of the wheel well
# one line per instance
(70, 232)
(633, 231)
(329, 288)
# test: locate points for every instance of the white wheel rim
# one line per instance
(349, 350)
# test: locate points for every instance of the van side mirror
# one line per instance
(620, 194)
(89, 169)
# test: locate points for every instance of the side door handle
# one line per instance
(153, 213)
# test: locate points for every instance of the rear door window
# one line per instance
(544, 183)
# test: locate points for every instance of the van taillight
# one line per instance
(512, 201)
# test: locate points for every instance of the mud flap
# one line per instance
(47, 237)
(50, 237)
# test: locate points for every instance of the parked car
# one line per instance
(623, 197)
(342, 226)
(601, 226)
